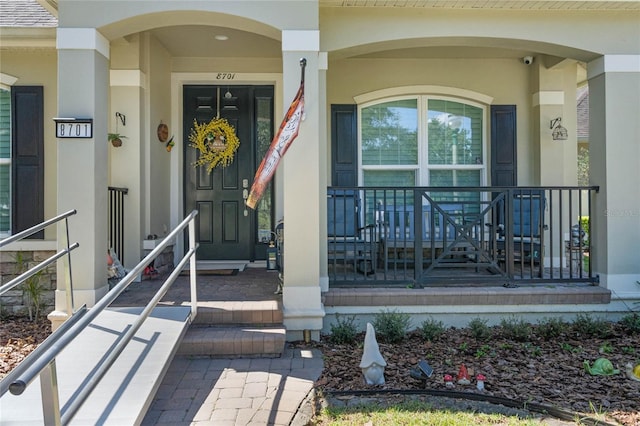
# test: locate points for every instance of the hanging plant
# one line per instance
(217, 142)
(116, 139)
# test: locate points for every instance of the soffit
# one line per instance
(490, 4)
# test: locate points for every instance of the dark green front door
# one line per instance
(225, 228)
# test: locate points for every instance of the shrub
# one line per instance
(344, 330)
(631, 323)
(516, 328)
(32, 289)
(392, 326)
(586, 325)
(479, 329)
(550, 328)
(431, 329)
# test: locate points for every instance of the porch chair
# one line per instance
(349, 243)
(528, 225)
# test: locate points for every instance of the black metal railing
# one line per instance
(426, 236)
(116, 219)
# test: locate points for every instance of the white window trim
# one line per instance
(6, 81)
(422, 168)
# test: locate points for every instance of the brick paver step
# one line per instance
(233, 341)
(267, 312)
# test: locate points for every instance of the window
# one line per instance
(5, 162)
(424, 141)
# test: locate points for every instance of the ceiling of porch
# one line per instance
(199, 41)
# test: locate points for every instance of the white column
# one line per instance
(614, 152)
(83, 66)
(301, 168)
(127, 163)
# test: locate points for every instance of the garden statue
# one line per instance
(601, 367)
(480, 378)
(633, 372)
(448, 380)
(372, 363)
(463, 376)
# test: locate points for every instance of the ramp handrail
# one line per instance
(43, 363)
(42, 265)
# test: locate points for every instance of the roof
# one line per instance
(582, 105)
(25, 13)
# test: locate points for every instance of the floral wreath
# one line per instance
(217, 142)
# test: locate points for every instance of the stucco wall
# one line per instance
(159, 95)
(507, 81)
(38, 67)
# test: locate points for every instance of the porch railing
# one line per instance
(433, 236)
(116, 219)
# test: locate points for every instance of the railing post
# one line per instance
(417, 248)
(67, 267)
(50, 396)
(192, 269)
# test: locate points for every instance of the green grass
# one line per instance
(414, 413)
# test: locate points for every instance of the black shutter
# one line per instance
(27, 158)
(504, 167)
(344, 145)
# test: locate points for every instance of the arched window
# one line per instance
(422, 140)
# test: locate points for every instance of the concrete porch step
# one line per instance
(233, 341)
(263, 312)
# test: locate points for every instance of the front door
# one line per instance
(225, 228)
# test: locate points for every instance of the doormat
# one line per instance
(223, 272)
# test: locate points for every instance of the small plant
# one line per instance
(479, 329)
(628, 350)
(392, 326)
(573, 349)
(32, 289)
(463, 347)
(605, 348)
(115, 139)
(631, 323)
(586, 325)
(516, 329)
(432, 329)
(535, 351)
(344, 330)
(483, 351)
(551, 328)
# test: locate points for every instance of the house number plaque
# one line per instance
(76, 128)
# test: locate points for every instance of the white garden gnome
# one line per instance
(372, 363)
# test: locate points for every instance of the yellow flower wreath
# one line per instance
(217, 142)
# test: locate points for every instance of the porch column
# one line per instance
(303, 188)
(614, 152)
(128, 161)
(555, 97)
(83, 66)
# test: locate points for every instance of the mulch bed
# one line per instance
(538, 371)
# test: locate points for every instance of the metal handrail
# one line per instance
(18, 371)
(36, 228)
(66, 251)
(31, 272)
(44, 363)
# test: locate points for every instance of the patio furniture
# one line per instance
(349, 243)
(527, 215)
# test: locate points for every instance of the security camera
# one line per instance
(527, 60)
